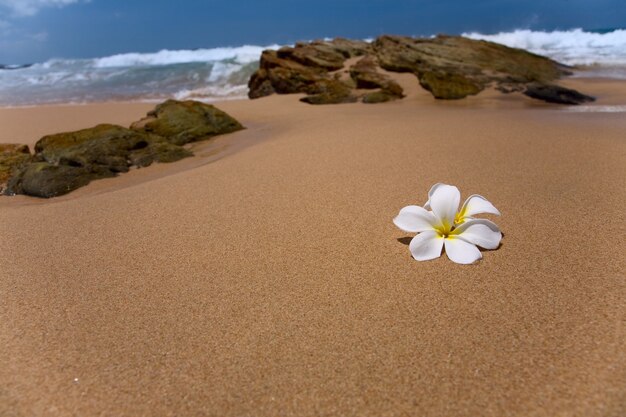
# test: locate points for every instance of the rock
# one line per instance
(326, 55)
(66, 161)
(12, 158)
(260, 85)
(556, 94)
(105, 147)
(379, 96)
(365, 75)
(450, 67)
(453, 67)
(298, 69)
(481, 60)
(322, 56)
(329, 92)
(282, 76)
(181, 122)
(449, 86)
(14, 148)
(41, 179)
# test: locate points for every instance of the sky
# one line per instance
(38, 30)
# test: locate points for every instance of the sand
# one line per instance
(264, 277)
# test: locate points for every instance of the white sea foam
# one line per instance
(595, 109)
(573, 47)
(242, 55)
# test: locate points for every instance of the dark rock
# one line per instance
(556, 94)
(66, 161)
(260, 85)
(105, 146)
(12, 158)
(41, 179)
(181, 122)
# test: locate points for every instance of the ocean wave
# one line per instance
(201, 74)
(572, 47)
(241, 55)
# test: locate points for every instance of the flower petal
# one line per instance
(426, 246)
(414, 219)
(481, 232)
(430, 194)
(445, 203)
(477, 204)
(460, 251)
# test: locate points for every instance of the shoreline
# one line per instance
(72, 116)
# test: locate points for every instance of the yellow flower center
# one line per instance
(444, 229)
(458, 219)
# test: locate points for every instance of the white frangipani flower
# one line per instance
(445, 226)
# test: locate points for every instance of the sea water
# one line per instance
(222, 73)
(210, 74)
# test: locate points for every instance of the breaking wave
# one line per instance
(572, 47)
(202, 74)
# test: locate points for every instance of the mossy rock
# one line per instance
(182, 122)
(157, 152)
(449, 86)
(104, 146)
(66, 161)
(41, 179)
(12, 158)
(380, 96)
(329, 92)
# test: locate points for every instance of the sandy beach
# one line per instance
(264, 276)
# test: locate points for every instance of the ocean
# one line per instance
(222, 73)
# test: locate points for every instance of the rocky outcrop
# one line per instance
(65, 161)
(449, 67)
(308, 68)
(453, 67)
